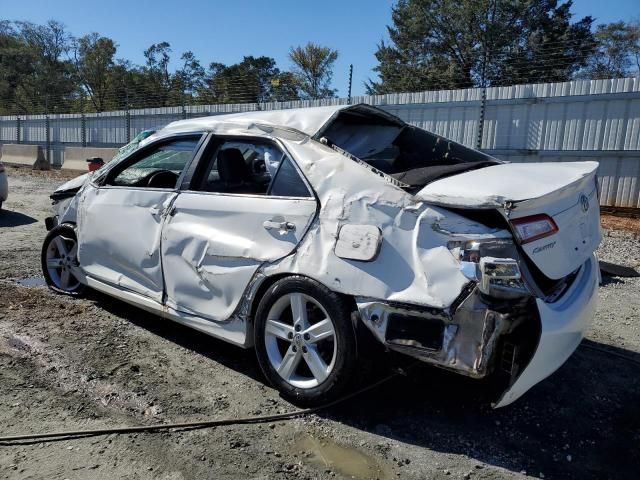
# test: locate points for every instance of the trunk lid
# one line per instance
(566, 191)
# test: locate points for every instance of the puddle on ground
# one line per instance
(325, 454)
(32, 282)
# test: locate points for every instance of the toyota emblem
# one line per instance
(584, 202)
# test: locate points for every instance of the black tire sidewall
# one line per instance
(61, 230)
(336, 307)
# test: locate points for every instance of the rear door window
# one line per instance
(249, 167)
(288, 182)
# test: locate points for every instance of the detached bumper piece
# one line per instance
(474, 338)
(50, 223)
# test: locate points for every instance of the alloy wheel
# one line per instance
(61, 262)
(300, 340)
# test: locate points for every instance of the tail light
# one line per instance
(493, 264)
(534, 227)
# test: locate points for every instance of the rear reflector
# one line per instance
(529, 229)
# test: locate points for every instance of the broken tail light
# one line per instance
(492, 263)
(534, 227)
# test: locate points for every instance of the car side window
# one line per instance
(288, 182)
(253, 167)
(159, 167)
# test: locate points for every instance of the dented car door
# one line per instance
(121, 215)
(233, 218)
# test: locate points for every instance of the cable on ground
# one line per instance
(63, 435)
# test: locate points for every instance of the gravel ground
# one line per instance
(96, 362)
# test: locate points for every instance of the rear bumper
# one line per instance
(466, 340)
(563, 325)
(473, 340)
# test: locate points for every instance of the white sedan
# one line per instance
(286, 231)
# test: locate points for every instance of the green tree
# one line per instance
(253, 80)
(313, 68)
(188, 79)
(617, 53)
(464, 43)
(94, 59)
(16, 66)
(157, 78)
(50, 86)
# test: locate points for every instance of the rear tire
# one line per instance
(304, 341)
(59, 259)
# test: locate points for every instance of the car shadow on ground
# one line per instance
(582, 422)
(239, 359)
(9, 218)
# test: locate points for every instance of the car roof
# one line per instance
(305, 120)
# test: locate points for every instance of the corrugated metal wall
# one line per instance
(569, 121)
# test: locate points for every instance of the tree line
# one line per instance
(433, 44)
(44, 69)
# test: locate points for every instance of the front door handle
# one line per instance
(283, 226)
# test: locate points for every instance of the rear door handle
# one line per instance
(276, 225)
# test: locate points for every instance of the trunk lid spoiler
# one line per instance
(508, 183)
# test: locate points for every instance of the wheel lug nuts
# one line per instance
(304, 349)
(298, 328)
(306, 336)
(290, 335)
(294, 348)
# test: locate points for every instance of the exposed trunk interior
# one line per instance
(411, 155)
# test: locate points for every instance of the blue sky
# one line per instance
(224, 31)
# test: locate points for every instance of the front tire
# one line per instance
(59, 260)
(304, 341)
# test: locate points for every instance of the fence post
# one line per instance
(47, 138)
(350, 78)
(483, 106)
(127, 124)
(18, 129)
(83, 129)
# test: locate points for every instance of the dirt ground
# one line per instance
(96, 362)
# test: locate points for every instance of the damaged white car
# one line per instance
(288, 231)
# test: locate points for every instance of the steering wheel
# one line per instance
(163, 179)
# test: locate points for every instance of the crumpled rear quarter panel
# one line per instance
(413, 264)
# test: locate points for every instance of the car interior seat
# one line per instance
(234, 172)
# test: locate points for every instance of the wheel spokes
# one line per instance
(54, 263)
(299, 310)
(289, 363)
(61, 246)
(279, 330)
(319, 331)
(65, 279)
(62, 264)
(75, 272)
(298, 327)
(316, 364)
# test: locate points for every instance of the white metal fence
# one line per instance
(569, 121)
